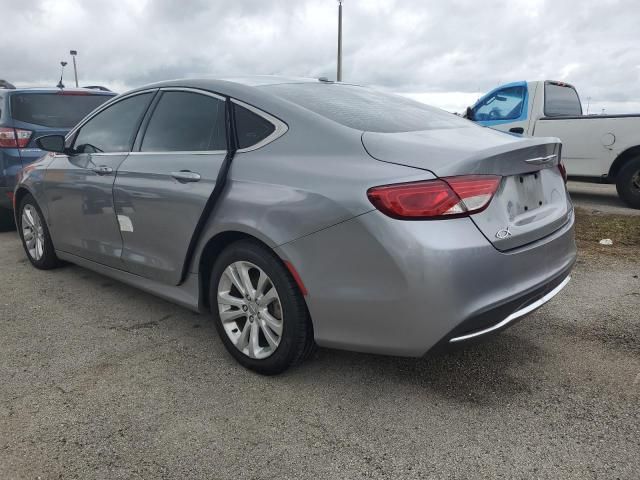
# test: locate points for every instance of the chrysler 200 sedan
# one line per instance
(305, 212)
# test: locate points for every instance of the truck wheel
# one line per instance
(628, 183)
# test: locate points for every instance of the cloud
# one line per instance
(410, 46)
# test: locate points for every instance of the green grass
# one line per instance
(622, 229)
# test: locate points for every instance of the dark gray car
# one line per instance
(303, 212)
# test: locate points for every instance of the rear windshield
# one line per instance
(561, 101)
(365, 109)
(53, 109)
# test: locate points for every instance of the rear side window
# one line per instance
(113, 129)
(250, 127)
(186, 122)
(57, 110)
(561, 101)
(365, 109)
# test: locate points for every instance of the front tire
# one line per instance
(35, 235)
(258, 309)
(628, 183)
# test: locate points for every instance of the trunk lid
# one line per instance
(531, 201)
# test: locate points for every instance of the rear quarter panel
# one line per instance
(586, 142)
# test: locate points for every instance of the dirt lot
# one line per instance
(99, 380)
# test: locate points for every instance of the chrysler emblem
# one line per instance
(504, 233)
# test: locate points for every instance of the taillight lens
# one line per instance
(563, 171)
(448, 197)
(14, 137)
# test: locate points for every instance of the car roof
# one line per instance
(68, 91)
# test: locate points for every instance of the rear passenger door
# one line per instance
(162, 189)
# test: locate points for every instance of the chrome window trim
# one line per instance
(192, 90)
(182, 152)
(517, 314)
(280, 127)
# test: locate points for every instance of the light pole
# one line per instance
(75, 69)
(339, 75)
(62, 65)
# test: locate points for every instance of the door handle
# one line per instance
(103, 170)
(517, 130)
(186, 176)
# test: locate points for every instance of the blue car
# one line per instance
(29, 113)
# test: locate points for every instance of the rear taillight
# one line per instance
(563, 171)
(448, 197)
(14, 137)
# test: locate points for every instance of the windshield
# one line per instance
(53, 109)
(366, 109)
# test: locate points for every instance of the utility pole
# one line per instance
(75, 69)
(62, 65)
(339, 75)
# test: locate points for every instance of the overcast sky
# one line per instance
(443, 52)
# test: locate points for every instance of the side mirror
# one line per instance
(51, 143)
(468, 114)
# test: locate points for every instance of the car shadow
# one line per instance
(7, 225)
(480, 373)
(484, 373)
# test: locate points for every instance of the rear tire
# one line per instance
(628, 183)
(34, 233)
(291, 339)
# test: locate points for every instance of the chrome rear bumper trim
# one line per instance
(515, 315)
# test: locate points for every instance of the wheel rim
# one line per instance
(635, 181)
(250, 309)
(32, 232)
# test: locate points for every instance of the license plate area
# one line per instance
(526, 192)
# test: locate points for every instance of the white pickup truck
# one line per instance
(594, 147)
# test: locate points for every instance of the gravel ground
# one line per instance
(99, 380)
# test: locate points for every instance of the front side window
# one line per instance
(186, 122)
(113, 129)
(561, 101)
(505, 104)
(251, 128)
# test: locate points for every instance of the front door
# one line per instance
(161, 190)
(81, 212)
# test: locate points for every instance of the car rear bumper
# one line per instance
(502, 317)
(400, 287)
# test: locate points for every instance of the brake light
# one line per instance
(563, 171)
(14, 137)
(74, 92)
(448, 197)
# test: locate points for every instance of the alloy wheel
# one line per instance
(33, 232)
(635, 181)
(250, 309)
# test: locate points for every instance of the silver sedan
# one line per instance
(305, 212)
